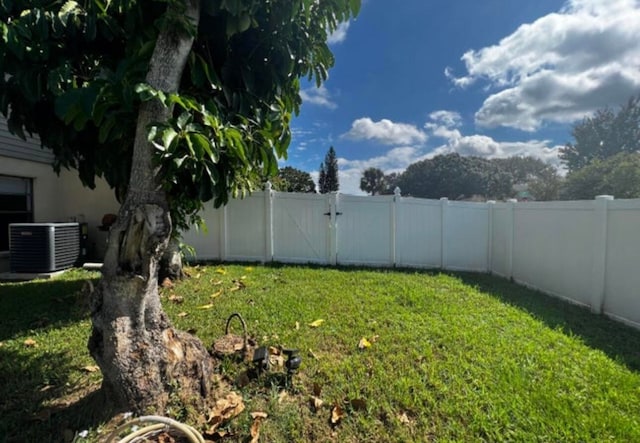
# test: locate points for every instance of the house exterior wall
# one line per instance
(56, 198)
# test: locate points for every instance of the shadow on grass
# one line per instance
(34, 401)
(40, 304)
(615, 339)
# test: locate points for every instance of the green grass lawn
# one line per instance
(453, 357)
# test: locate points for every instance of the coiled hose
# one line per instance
(158, 424)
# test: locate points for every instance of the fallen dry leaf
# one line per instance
(313, 354)
(225, 409)
(255, 430)
(317, 323)
(404, 419)
(237, 285)
(259, 414)
(177, 299)
(91, 368)
(221, 271)
(248, 269)
(364, 343)
(375, 338)
(297, 325)
(30, 343)
(167, 283)
(315, 403)
(217, 294)
(207, 306)
(45, 388)
(216, 283)
(337, 414)
(183, 314)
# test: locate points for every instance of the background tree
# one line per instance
(294, 180)
(174, 103)
(603, 135)
(373, 181)
(328, 177)
(455, 177)
(618, 175)
(390, 183)
(541, 179)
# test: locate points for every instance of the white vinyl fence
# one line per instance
(587, 252)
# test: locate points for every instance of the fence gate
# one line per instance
(301, 228)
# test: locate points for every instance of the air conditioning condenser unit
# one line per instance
(43, 247)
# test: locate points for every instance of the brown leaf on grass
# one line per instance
(316, 323)
(30, 343)
(216, 283)
(358, 404)
(237, 285)
(364, 343)
(225, 409)
(177, 299)
(91, 368)
(273, 350)
(217, 294)
(297, 325)
(183, 314)
(337, 414)
(313, 354)
(404, 419)
(255, 429)
(207, 306)
(46, 388)
(259, 414)
(315, 403)
(221, 271)
(167, 283)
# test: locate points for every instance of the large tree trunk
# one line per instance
(145, 362)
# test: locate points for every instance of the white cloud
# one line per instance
(386, 132)
(560, 67)
(339, 35)
(318, 96)
(485, 146)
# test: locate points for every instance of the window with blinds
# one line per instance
(16, 205)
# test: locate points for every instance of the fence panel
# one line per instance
(300, 228)
(553, 248)
(500, 243)
(245, 227)
(207, 241)
(418, 233)
(364, 230)
(622, 282)
(466, 236)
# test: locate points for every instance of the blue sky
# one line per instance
(494, 78)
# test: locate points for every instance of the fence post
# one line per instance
(600, 252)
(511, 230)
(490, 206)
(394, 226)
(333, 228)
(268, 222)
(444, 212)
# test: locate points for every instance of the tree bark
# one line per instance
(171, 262)
(147, 365)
